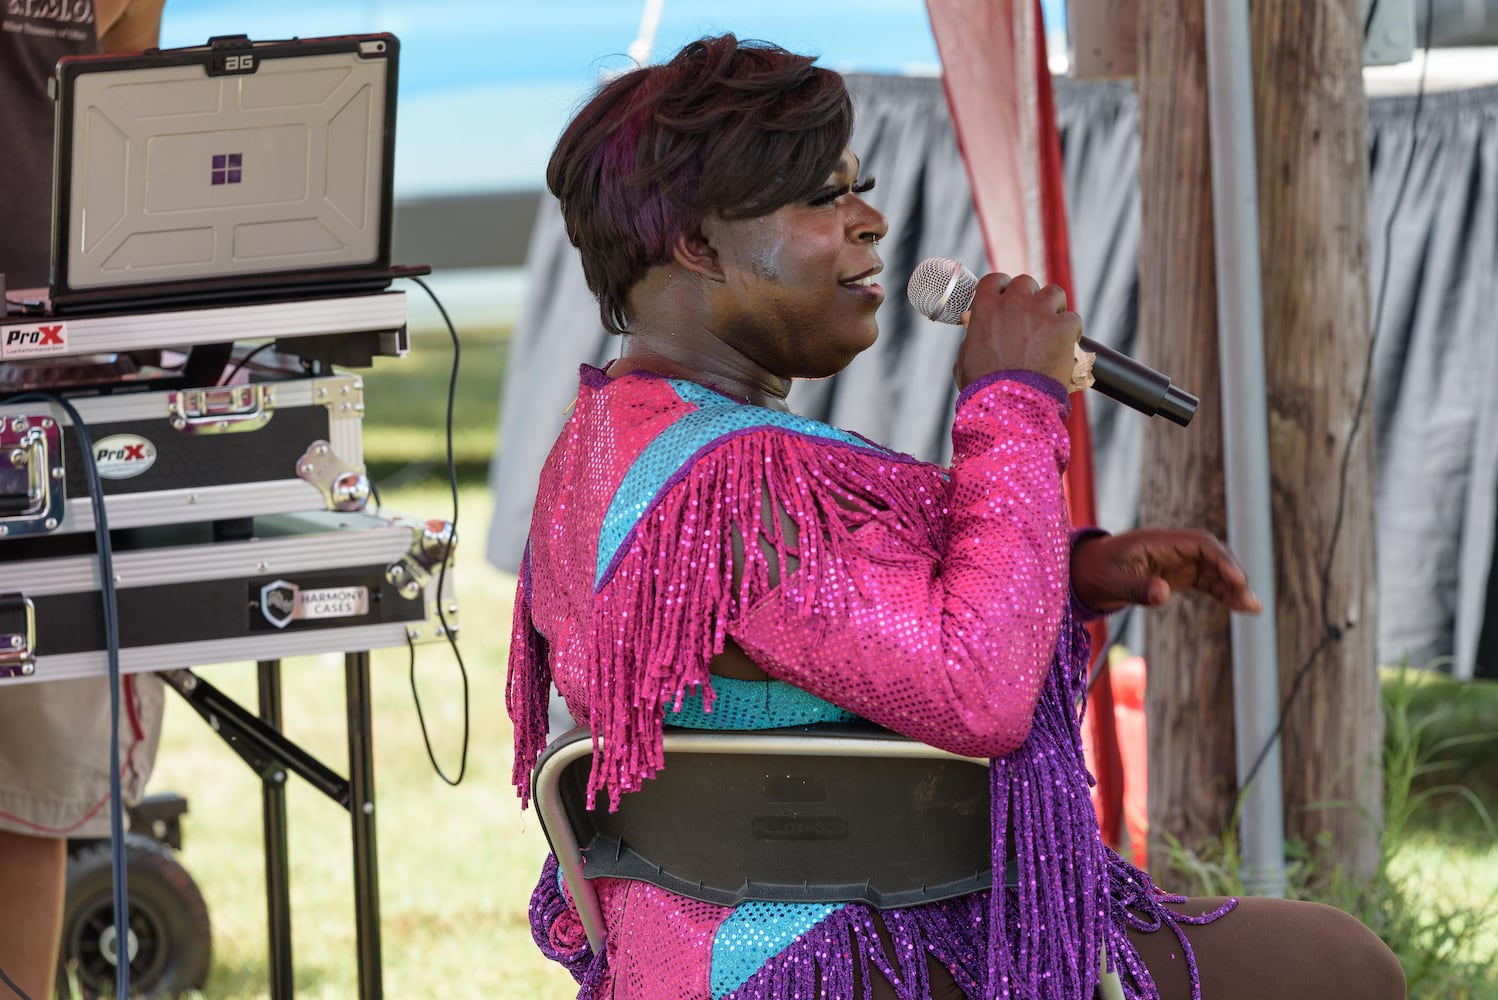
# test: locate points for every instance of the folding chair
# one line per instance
(827, 813)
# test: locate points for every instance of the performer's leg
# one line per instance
(1278, 948)
(32, 872)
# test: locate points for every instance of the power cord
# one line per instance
(1332, 631)
(111, 621)
(228, 375)
(447, 630)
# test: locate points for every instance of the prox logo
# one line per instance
(123, 456)
(41, 338)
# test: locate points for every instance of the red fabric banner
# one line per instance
(998, 86)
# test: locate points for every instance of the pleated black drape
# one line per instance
(1433, 221)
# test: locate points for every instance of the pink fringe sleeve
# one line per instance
(926, 605)
(948, 642)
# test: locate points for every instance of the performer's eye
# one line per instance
(832, 193)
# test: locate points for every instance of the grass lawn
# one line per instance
(406, 406)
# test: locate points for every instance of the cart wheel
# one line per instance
(170, 942)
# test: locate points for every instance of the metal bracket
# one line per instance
(344, 487)
(417, 573)
(34, 491)
(343, 395)
(260, 745)
(430, 548)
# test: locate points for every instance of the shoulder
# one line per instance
(713, 446)
(714, 419)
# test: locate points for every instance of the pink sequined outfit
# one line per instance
(935, 603)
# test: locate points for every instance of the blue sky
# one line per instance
(486, 85)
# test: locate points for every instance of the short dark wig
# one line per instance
(732, 128)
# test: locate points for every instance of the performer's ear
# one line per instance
(697, 252)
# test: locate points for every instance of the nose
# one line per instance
(868, 224)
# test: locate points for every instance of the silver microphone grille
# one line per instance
(941, 289)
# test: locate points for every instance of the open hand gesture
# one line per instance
(1147, 565)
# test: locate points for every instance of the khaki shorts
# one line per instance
(54, 752)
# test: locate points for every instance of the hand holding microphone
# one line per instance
(1017, 325)
(943, 290)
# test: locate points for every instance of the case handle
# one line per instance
(17, 649)
(227, 409)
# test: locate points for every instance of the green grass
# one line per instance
(1434, 896)
(406, 407)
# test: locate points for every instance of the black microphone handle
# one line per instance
(1120, 377)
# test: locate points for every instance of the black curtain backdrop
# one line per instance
(1433, 229)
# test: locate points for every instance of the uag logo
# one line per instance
(278, 602)
(123, 456)
(35, 340)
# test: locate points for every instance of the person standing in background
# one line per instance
(54, 737)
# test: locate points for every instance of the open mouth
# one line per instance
(864, 284)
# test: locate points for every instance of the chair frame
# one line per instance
(576, 744)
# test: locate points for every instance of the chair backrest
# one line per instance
(812, 814)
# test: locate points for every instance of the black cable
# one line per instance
(13, 987)
(452, 640)
(1333, 631)
(110, 602)
(229, 375)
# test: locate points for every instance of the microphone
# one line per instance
(942, 290)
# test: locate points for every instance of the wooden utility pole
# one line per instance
(1189, 704)
(1310, 113)
(1310, 119)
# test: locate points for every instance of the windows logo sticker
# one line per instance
(227, 168)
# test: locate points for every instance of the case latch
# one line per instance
(33, 492)
(431, 547)
(224, 409)
(344, 487)
(17, 636)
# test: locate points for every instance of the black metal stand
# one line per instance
(260, 743)
(277, 863)
(362, 809)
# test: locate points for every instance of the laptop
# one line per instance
(221, 172)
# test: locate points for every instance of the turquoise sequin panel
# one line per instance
(745, 704)
(756, 933)
(719, 417)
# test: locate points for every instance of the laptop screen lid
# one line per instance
(223, 170)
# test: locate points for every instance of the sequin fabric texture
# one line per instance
(934, 602)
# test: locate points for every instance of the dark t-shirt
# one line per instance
(34, 34)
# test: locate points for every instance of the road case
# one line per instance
(293, 584)
(379, 317)
(184, 455)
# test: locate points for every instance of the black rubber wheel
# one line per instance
(170, 938)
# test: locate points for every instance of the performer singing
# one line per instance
(699, 556)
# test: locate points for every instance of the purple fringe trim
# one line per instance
(835, 959)
(1075, 894)
(559, 934)
(1138, 904)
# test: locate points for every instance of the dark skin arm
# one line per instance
(1147, 565)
